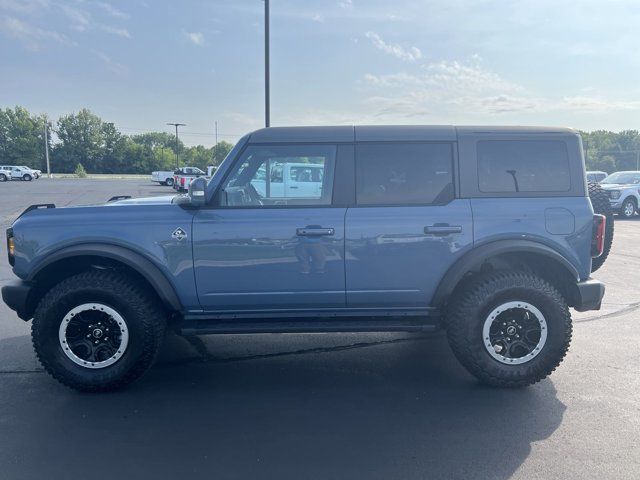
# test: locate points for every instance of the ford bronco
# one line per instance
(488, 233)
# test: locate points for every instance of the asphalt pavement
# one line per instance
(325, 406)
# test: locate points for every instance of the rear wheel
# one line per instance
(3, 177)
(169, 182)
(509, 329)
(97, 331)
(601, 206)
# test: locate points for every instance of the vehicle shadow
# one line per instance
(388, 407)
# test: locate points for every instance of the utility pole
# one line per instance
(46, 147)
(267, 100)
(177, 125)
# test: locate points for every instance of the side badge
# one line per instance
(179, 234)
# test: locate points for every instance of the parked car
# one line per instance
(5, 174)
(163, 177)
(297, 180)
(19, 173)
(486, 232)
(623, 189)
(596, 176)
(185, 176)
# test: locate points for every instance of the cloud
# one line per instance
(113, 66)
(120, 32)
(197, 38)
(31, 35)
(468, 88)
(410, 54)
(80, 19)
(345, 4)
(316, 17)
(111, 10)
(23, 6)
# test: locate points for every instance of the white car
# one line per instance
(623, 189)
(19, 173)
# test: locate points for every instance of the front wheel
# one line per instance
(509, 329)
(628, 209)
(169, 182)
(27, 178)
(97, 331)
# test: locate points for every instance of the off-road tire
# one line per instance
(469, 308)
(145, 322)
(601, 206)
(169, 182)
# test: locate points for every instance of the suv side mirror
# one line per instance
(197, 191)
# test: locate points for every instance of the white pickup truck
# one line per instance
(163, 177)
(298, 180)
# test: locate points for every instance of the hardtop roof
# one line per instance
(368, 133)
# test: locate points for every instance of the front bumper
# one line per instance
(16, 296)
(589, 295)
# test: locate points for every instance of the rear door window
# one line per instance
(521, 166)
(404, 173)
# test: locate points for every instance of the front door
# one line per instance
(257, 249)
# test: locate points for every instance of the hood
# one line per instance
(611, 186)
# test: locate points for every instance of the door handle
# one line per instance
(314, 232)
(442, 229)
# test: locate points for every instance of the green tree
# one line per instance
(81, 140)
(22, 138)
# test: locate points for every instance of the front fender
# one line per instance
(147, 269)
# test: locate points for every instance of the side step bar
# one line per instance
(317, 325)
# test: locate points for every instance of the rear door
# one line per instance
(407, 227)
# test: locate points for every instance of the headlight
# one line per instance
(11, 246)
(615, 194)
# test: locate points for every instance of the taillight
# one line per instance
(599, 231)
(182, 181)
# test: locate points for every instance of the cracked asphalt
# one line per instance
(325, 406)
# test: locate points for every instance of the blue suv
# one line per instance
(488, 233)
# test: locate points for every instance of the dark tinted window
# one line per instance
(404, 173)
(523, 166)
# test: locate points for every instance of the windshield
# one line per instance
(623, 177)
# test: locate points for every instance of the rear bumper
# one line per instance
(590, 294)
(16, 296)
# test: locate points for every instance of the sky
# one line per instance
(143, 63)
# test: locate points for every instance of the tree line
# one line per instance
(611, 151)
(83, 138)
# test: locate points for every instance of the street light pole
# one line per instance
(46, 147)
(177, 125)
(267, 100)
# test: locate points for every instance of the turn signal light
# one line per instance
(11, 246)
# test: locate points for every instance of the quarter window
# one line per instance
(404, 173)
(523, 166)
